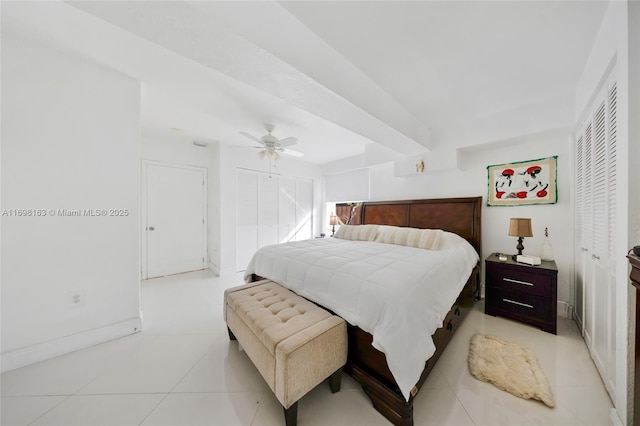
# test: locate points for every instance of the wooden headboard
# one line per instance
(458, 215)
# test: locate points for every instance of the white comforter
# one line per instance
(398, 294)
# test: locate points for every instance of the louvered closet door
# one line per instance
(580, 254)
(602, 315)
(587, 236)
(609, 240)
(595, 202)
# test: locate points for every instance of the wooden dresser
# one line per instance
(635, 281)
(522, 292)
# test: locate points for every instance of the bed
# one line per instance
(378, 289)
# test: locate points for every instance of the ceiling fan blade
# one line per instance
(292, 153)
(288, 142)
(253, 138)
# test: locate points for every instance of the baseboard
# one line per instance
(228, 271)
(577, 319)
(214, 268)
(64, 345)
(564, 309)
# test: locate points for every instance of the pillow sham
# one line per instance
(357, 232)
(421, 238)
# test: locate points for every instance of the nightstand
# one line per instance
(522, 292)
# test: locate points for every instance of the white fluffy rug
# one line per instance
(509, 367)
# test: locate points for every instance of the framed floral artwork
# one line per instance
(523, 183)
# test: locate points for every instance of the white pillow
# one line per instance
(421, 238)
(357, 232)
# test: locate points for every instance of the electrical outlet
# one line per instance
(76, 298)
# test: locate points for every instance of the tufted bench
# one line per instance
(293, 343)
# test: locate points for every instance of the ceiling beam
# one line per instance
(239, 40)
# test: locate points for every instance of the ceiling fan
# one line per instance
(272, 147)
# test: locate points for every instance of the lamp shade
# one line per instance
(520, 227)
(333, 220)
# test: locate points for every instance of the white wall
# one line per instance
(70, 140)
(472, 181)
(634, 125)
(232, 157)
(179, 149)
(222, 160)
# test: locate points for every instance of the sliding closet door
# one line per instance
(596, 200)
(246, 217)
(267, 210)
(304, 209)
(271, 209)
(287, 209)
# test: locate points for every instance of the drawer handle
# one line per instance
(595, 256)
(518, 282)
(449, 326)
(518, 303)
(457, 311)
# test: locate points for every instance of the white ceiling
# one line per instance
(337, 75)
(452, 62)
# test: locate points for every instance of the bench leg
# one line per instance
(291, 415)
(335, 380)
(231, 335)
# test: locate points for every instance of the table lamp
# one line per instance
(521, 228)
(333, 221)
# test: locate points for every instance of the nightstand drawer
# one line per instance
(521, 292)
(524, 282)
(506, 302)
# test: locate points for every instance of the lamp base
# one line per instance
(520, 247)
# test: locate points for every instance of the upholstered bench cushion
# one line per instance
(294, 344)
(274, 313)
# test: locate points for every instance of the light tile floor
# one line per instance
(183, 370)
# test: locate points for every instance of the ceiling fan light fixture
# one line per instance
(271, 147)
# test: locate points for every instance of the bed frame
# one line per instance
(368, 365)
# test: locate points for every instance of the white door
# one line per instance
(176, 219)
(596, 201)
(246, 218)
(304, 209)
(287, 209)
(602, 319)
(270, 209)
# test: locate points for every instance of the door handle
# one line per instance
(151, 228)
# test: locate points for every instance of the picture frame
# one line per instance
(523, 183)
